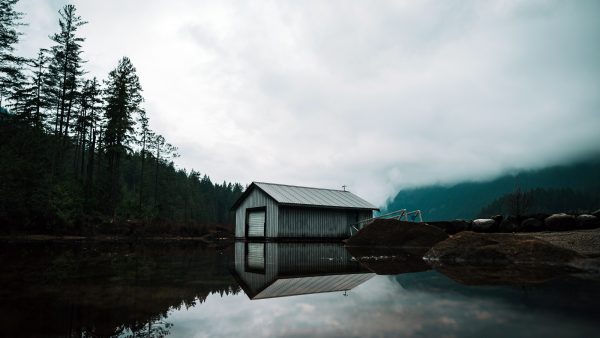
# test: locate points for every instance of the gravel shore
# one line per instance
(585, 242)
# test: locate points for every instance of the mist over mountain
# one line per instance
(466, 200)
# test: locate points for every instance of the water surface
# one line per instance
(185, 289)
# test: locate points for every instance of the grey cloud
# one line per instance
(379, 97)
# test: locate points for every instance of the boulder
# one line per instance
(587, 221)
(498, 218)
(538, 216)
(475, 248)
(532, 225)
(558, 222)
(509, 224)
(452, 227)
(395, 233)
(484, 225)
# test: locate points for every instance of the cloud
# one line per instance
(379, 97)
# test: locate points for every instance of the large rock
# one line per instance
(538, 216)
(474, 248)
(532, 225)
(559, 222)
(509, 224)
(587, 221)
(484, 225)
(452, 227)
(498, 218)
(395, 233)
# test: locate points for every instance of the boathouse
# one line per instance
(278, 211)
(272, 269)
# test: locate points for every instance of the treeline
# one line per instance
(543, 201)
(78, 154)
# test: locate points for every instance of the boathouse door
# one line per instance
(256, 223)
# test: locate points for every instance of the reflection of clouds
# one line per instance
(307, 308)
(381, 307)
(373, 308)
(483, 315)
(444, 320)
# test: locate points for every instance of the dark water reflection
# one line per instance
(185, 289)
(105, 289)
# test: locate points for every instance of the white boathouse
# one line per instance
(278, 211)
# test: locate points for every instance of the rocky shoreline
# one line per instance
(526, 223)
(476, 254)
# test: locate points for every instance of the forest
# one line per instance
(572, 187)
(544, 201)
(78, 154)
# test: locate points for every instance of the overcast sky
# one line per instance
(378, 96)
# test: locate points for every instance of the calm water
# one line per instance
(158, 289)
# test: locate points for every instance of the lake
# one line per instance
(187, 289)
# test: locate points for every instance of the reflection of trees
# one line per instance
(153, 329)
(105, 289)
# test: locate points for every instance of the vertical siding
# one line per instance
(365, 214)
(292, 263)
(318, 222)
(257, 198)
(311, 258)
(256, 281)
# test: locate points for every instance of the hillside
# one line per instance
(466, 200)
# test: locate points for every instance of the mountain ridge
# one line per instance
(465, 200)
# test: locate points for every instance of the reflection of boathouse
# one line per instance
(276, 211)
(268, 270)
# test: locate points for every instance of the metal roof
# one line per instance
(285, 287)
(295, 195)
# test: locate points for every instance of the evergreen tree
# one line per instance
(19, 98)
(144, 133)
(10, 20)
(123, 99)
(65, 70)
(39, 94)
(90, 102)
(164, 152)
(26, 95)
(58, 120)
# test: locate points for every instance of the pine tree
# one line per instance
(144, 133)
(164, 153)
(65, 70)
(40, 99)
(19, 98)
(123, 99)
(87, 118)
(10, 72)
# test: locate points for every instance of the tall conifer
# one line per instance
(10, 20)
(123, 96)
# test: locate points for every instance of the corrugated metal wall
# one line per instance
(255, 281)
(298, 222)
(257, 198)
(316, 222)
(293, 261)
(310, 258)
